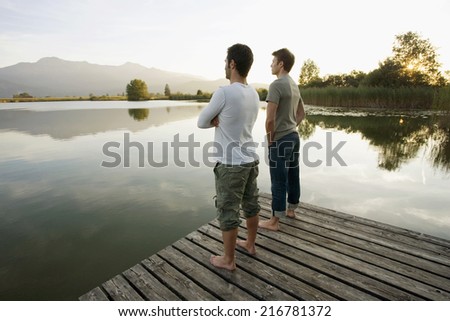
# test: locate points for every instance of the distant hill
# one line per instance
(56, 77)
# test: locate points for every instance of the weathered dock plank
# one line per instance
(434, 249)
(288, 275)
(322, 254)
(255, 286)
(120, 290)
(177, 282)
(95, 295)
(204, 277)
(148, 285)
(424, 241)
(299, 257)
(405, 264)
(352, 264)
(305, 224)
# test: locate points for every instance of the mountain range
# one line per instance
(56, 77)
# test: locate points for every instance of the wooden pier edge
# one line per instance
(322, 254)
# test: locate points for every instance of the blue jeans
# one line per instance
(285, 173)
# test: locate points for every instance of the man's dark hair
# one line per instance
(242, 56)
(286, 57)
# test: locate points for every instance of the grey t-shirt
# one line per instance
(285, 93)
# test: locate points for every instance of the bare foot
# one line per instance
(271, 224)
(244, 244)
(219, 262)
(290, 213)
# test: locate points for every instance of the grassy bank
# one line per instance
(379, 97)
(100, 98)
(47, 99)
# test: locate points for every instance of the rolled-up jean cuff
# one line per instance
(279, 213)
(292, 206)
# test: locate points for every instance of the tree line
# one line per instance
(409, 78)
(137, 90)
(414, 63)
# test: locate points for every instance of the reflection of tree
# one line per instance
(440, 150)
(139, 114)
(306, 129)
(398, 139)
(394, 154)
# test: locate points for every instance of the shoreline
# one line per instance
(94, 98)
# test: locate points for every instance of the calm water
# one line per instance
(68, 224)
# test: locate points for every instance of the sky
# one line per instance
(192, 36)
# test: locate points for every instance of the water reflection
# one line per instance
(64, 215)
(398, 139)
(68, 124)
(140, 114)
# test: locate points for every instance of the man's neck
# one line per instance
(239, 79)
(235, 77)
(282, 73)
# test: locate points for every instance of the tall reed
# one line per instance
(378, 97)
(441, 99)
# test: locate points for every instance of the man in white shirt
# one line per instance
(233, 110)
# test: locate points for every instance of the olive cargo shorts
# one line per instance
(236, 186)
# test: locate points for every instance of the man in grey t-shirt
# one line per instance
(285, 111)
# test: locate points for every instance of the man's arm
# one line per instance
(300, 112)
(270, 121)
(209, 116)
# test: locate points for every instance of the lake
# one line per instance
(88, 189)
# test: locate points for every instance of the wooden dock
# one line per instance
(320, 255)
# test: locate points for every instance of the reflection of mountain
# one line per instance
(397, 138)
(71, 123)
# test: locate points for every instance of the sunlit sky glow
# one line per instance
(192, 36)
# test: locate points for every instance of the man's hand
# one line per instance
(269, 139)
(215, 121)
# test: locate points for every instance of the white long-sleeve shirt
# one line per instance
(237, 107)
